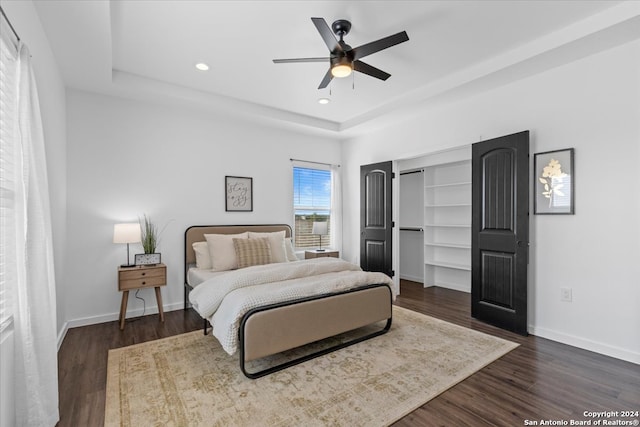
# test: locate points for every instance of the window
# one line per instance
(311, 203)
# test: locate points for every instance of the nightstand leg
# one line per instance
(159, 301)
(123, 308)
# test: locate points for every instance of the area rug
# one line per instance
(188, 380)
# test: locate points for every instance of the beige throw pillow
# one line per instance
(276, 241)
(252, 251)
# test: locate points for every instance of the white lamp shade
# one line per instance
(320, 228)
(126, 233)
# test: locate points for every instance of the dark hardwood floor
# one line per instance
(540, 380)
(82, 361)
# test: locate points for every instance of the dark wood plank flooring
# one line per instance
(540, 380)
(82, 360)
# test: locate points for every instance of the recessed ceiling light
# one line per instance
(202, 66)
(323, 101)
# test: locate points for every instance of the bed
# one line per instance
(264, 310)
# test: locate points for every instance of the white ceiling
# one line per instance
(149, 49)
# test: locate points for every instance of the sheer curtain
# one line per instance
(336, 208)
(32, 285)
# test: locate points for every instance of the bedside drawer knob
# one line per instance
(144, 274)
(144, 283)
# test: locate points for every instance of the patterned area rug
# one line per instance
(188, 380)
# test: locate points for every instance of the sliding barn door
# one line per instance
(500, 231)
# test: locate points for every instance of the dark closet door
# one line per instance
(376, 224)
(500, 231)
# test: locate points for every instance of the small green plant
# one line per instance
(150, 236)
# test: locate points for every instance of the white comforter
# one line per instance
(226, 298)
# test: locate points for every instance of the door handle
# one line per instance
(521, 243)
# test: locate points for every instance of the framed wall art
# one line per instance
(554, 182)
(238, 193)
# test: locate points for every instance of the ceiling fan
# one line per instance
(343, 59)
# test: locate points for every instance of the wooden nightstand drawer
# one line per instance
(141, 273)
(321, 254)
(145, 282)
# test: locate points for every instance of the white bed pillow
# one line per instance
(276, 241)
(222, 251)
(291, 253)
(203, 259)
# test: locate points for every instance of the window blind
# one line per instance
(311, 202)
(312, 189)
(8, 169)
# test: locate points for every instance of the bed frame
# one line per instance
(275, 328)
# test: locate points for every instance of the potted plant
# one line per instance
(150, 238)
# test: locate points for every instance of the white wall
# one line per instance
(126, 158)
(51, 92)
(592, 105)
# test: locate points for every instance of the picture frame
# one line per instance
(554, 182)
(238, 192)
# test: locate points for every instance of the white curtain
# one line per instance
(336, 208)
(36, 388)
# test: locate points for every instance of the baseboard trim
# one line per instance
(110, 317)
(412, 278)
(586, 344)
(455, 286)
(62, 334)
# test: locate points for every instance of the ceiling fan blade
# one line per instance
(370, 70)
(378, 45)
(327, 35)
(326, 80)
(285, 61)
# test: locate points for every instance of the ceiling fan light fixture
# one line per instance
(341, 70)
(341, 66)
(343, 59)
(202, 66)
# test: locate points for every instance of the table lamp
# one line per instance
(321, 229)
(126, 233)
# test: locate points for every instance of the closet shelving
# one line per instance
(447, 225)
(411, 219)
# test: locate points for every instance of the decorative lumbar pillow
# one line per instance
(276, 240)
(222, 251)
(203, 259)
(252, 251)
(291, 253)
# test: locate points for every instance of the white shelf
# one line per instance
(448, 245)
(450, 184)
(447, 217)
(449, 205)
(449, 225)
(445, 264)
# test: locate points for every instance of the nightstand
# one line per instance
(321, 254)
(141, 277)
